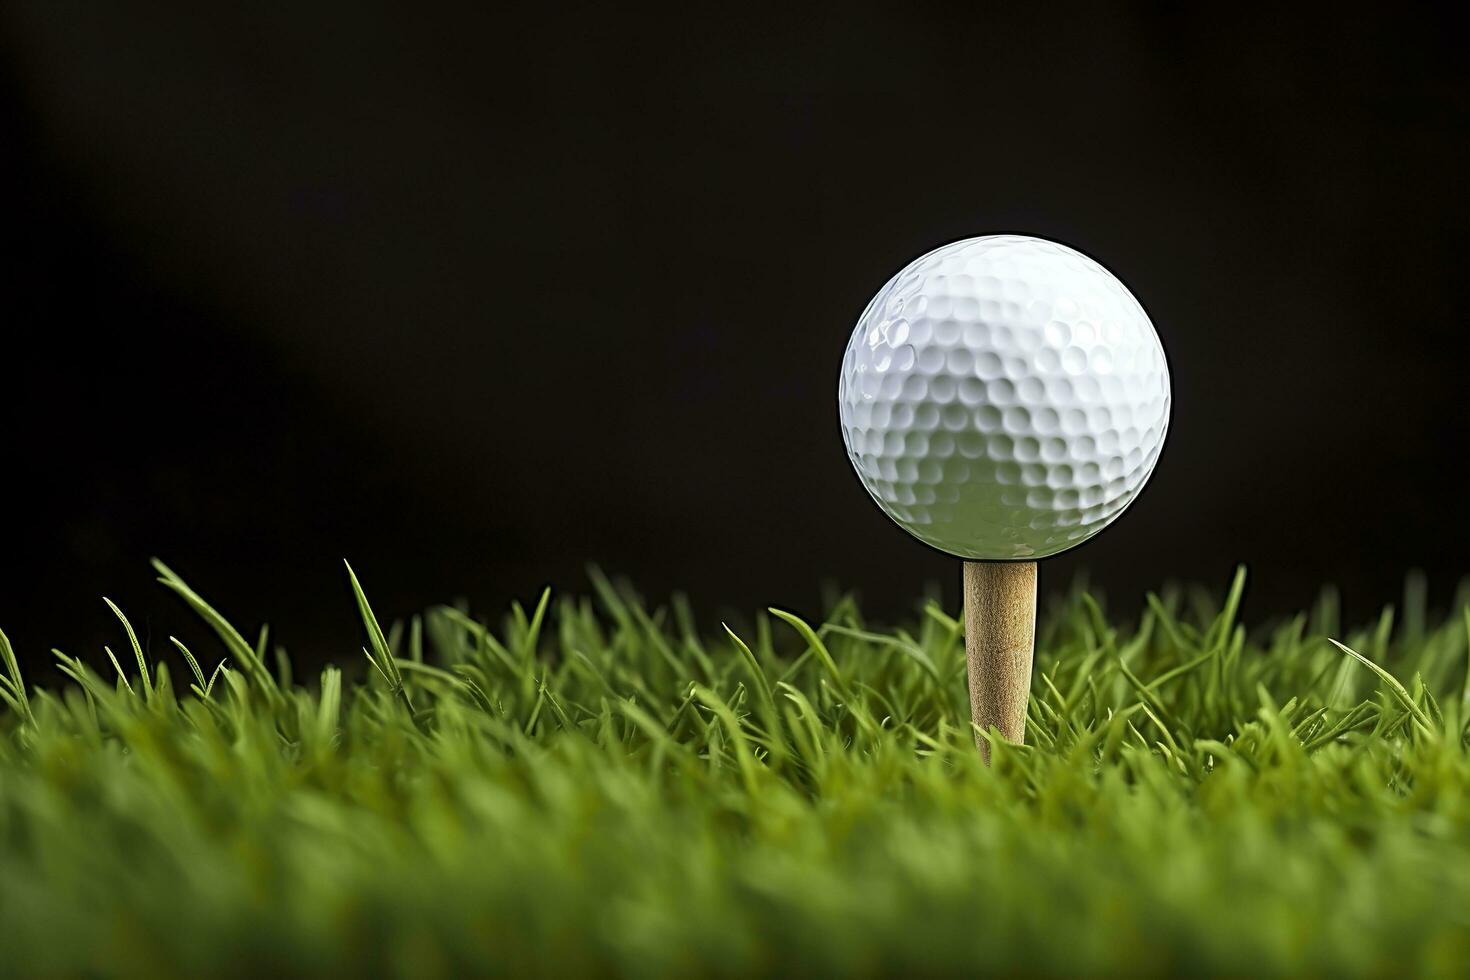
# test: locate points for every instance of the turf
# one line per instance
(591, 786)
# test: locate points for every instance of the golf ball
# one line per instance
(1004, 397)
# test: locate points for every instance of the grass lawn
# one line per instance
(591, 786)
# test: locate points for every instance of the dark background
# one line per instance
(473, 298)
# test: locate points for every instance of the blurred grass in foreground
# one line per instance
(596, 787)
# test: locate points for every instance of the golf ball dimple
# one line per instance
(1004, 397)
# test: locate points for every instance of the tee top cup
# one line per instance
(1003, 398)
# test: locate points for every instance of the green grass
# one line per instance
(595, 787)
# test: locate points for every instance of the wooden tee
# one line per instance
(1000, 631)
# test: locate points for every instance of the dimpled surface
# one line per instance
(1004, 397)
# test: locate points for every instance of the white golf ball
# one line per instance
(1004, 397)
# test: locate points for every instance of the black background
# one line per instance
(473, 297)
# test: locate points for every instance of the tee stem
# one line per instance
(1000, 631)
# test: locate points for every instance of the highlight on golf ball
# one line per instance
(1004, 397)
